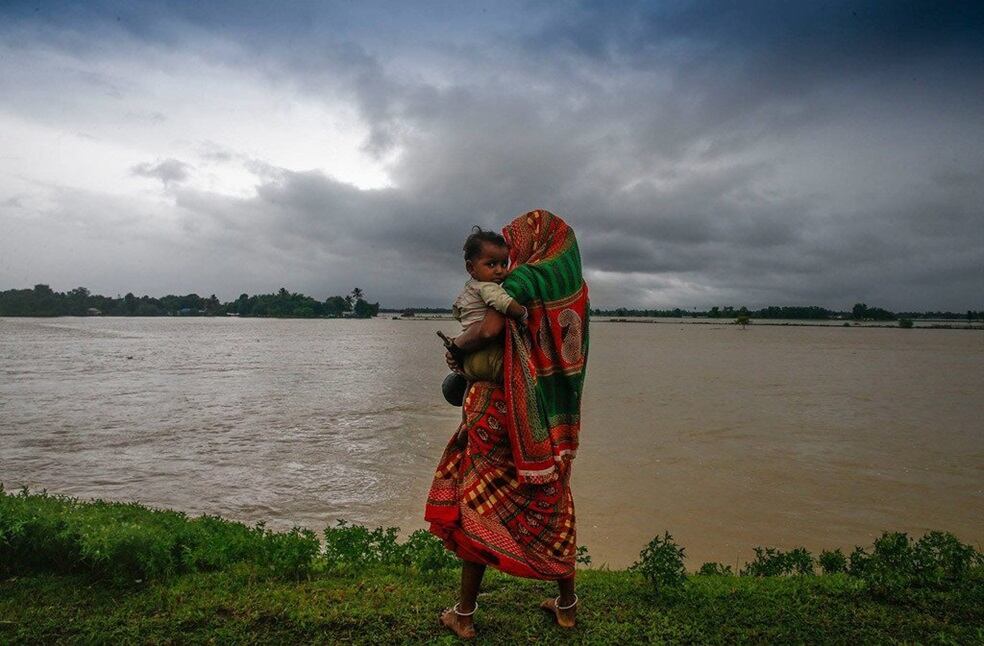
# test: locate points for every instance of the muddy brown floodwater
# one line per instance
(779, 436)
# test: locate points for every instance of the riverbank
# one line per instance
(96, 572)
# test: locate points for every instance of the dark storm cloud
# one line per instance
(757, 153)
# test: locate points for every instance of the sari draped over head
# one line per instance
(544, 368)
(503, 497)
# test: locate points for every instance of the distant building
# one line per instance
(93, 312)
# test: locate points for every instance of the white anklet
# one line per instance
(464, 614)
(560, 607)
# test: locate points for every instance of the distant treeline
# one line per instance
(860, 312)
(43, 301)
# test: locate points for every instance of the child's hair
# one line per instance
(473, 243)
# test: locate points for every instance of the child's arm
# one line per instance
(497, 298)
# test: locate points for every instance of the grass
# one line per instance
(392, 605)
(177, 582)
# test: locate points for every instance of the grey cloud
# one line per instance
(211, 152)
(168, 171)
(758, 153)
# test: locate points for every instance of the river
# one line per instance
(727, 438)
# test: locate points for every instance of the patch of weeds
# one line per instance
(354, 545)
(582, 556)
(715, 569)
(427, 552)
(897, 564)
(770, 561)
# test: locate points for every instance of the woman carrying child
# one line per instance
(501, 494)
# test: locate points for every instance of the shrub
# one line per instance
(661, 563)
(715, 569)
(905, 323)
(426, 551)
(891, 566)
(799, 561)
(940, 560)
(768, 562)
(832, 562)
(858, 562)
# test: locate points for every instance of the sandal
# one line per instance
(462, 633)
(553, 606)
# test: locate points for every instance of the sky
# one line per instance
(711, 153)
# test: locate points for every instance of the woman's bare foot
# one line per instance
(462, 626)
(565, 617)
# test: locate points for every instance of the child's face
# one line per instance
(490, 264)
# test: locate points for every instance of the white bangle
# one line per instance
(560, 607)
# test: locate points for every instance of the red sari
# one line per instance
(479, 504)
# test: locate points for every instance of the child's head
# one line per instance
(486, 255)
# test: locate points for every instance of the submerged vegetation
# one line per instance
(104, 572)
(860, 312)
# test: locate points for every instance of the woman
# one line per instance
(501, 493)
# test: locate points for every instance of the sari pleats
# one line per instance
(478, 507)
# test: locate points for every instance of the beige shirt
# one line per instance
(469, 307)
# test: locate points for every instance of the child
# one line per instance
(486, 260)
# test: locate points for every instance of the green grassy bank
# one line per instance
(94, 572)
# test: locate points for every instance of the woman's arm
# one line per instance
(479, 336)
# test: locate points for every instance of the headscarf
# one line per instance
(545, 361)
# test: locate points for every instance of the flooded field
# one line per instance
(728, 438)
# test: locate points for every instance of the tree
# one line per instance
(212, 304)
(364, 310)
(859, 310)
(357, 294)
(77, 300)
(335, 306)
(243, 305)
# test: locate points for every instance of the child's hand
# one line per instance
(452, 364)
